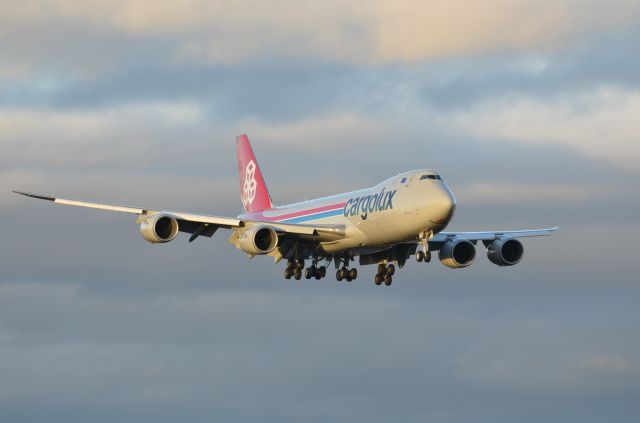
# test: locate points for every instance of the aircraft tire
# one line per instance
(353, 274)
(391, 270)
(288, 273)
(308, 273)
(297, 274)
(388, 279)
(339, 275)
(378, 279)
(427, 257)
(381, 268)
(323, 271)
(344, 272)
(419, 256)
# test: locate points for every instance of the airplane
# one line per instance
(383, 225)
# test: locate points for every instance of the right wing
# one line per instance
(203, 225)
(491, 236)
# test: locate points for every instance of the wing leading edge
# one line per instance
(491, 236)
(192, 223)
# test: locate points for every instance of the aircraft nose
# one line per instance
(445, 204)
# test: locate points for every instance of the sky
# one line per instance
(530, 110)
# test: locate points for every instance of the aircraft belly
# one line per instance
(377, 230)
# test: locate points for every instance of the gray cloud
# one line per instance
(253, 354)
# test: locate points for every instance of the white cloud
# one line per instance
(603, 124)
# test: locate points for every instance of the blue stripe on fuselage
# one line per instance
(322, 215)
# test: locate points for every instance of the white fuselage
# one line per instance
(393, 211)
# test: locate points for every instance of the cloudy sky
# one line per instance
(529, 109)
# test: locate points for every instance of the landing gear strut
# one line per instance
(385, 274)
(423, 254)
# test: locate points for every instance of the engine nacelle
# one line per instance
(159, 228)
(258, 240)
(457, 253)
(505, 251)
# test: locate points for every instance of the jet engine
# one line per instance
(159, 228)
(457, 253)
(505, 251)
(258, 240)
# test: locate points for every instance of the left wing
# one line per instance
(203, 225)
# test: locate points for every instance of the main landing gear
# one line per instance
(385, 274)
(294, 269)
(315, 272)
(295, 266)
(344, 273)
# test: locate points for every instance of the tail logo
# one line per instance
(250, 184)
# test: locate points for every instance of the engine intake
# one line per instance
(258, 240)
(457, 253)
(159, 228)
(505, 251)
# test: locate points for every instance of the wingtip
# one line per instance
(39, 197)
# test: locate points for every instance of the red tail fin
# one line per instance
(253, 191)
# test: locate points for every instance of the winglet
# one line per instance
(39, 197)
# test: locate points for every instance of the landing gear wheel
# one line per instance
(348, 278)
(288, 273)
(378, 280)
(391, 270)
(344, 273)
(322, 271)
(339, 275)
(388, 279)
(308, 273)
(381, 268)
(297, 274)
(318, 276)
(420, 256)
(353, 274)
(427, 257)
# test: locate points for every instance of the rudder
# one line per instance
(253, 190)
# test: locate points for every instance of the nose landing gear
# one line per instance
(423, 254)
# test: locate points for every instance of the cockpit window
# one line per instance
(435, 177)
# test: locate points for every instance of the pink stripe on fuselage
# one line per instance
(261, 216)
